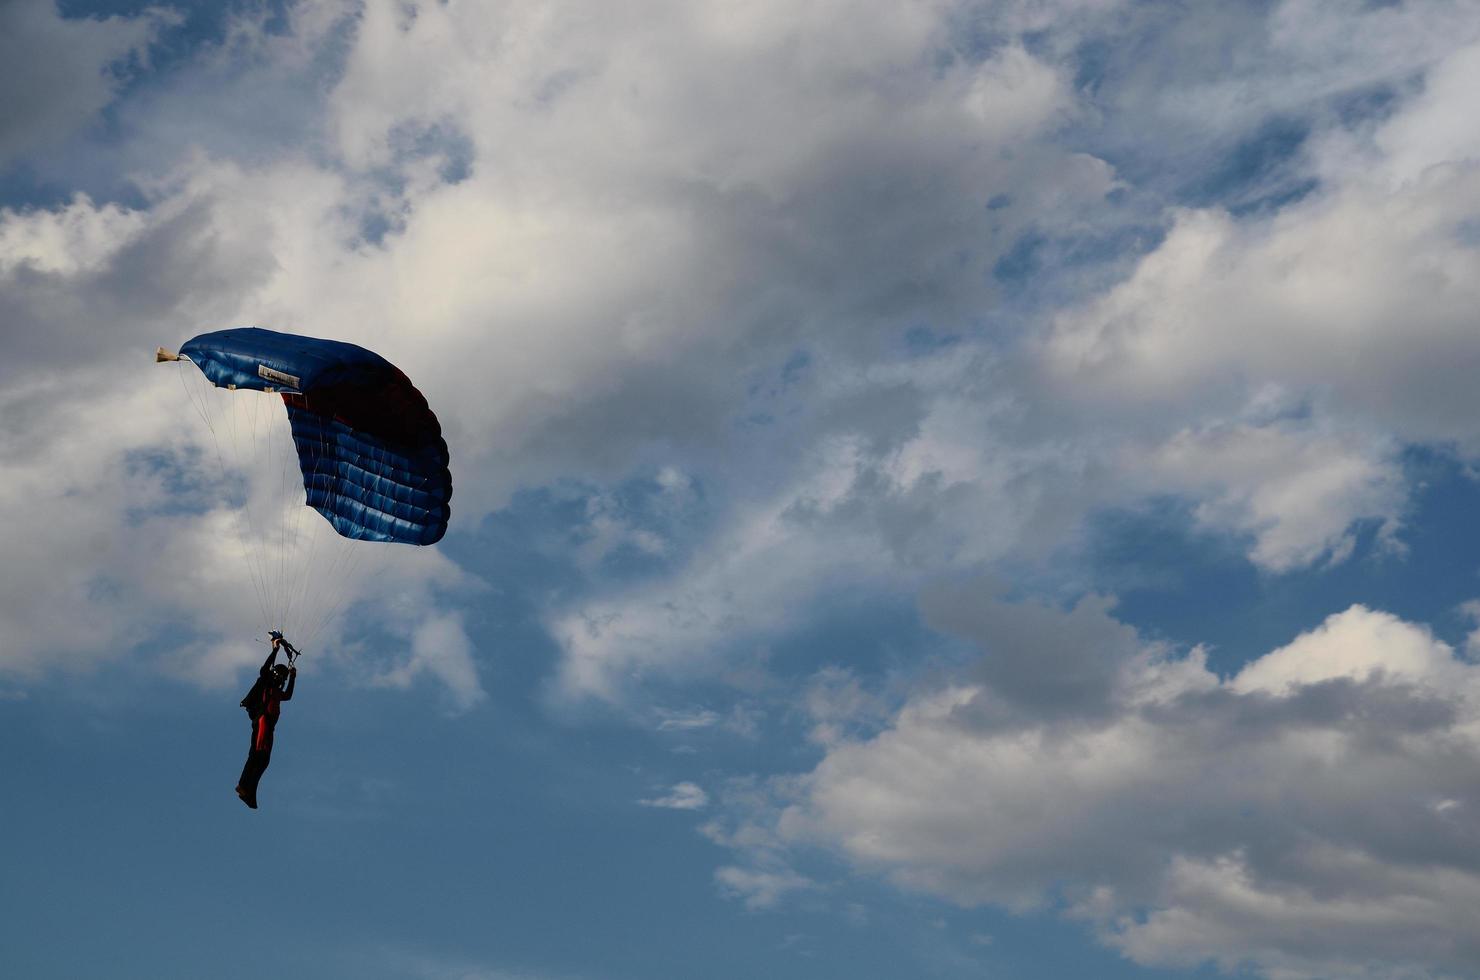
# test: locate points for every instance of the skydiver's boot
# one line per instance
(246, 799)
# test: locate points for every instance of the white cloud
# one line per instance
(683, 210)
(120, 517)
(422, 964)
(760, 889)
(1352, 306)
(743, 719)
(681, 796)
(440, 649)
(1431, 132)
(836, 701)
(755, 579)
(687, 721)
(1220, 909)
(1159, 387)
(76, 238)
(1360, 645)
(121, 525)
(1297, 490)
(90, 568)
(1357, 296)
(1311, 816)
(674, 194)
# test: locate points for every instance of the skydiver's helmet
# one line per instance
(279, 674)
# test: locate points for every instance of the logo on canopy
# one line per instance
(263, 371)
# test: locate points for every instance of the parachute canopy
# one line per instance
(373, 458)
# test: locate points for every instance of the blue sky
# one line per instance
(943, 490)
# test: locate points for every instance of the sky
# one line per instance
(943, 489)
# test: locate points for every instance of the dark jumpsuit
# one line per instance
(265, 702)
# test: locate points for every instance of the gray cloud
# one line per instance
(1040, 661)
(57, 74)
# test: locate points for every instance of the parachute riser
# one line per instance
(290, 652)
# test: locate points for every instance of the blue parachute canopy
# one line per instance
(373, 458)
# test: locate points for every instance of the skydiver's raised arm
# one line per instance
(267, 664)
(292, 679)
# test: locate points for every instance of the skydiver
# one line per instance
(274, 685)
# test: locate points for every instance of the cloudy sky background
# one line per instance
(943, 489)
